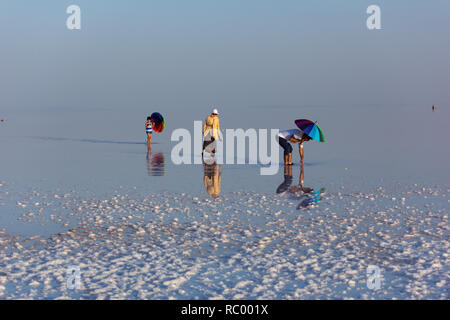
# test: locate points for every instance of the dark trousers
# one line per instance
(285, 145)
(207, 143)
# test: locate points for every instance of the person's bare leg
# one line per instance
(149, 147)
(286, 160)
(290, 158)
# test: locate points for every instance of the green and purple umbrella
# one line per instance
(311, 129)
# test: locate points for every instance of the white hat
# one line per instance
(215, 111)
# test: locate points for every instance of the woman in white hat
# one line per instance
(211, 129)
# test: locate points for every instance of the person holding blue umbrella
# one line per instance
(294, 136)
(308, 130)
(311, 130)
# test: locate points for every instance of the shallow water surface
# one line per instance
(81, 187)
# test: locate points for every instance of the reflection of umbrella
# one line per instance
(311, 129)
(311, 199)
(157, 121)
(155, 164)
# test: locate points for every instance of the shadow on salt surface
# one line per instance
(212, 178)
(90, 140)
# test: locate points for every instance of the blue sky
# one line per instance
(242, 53)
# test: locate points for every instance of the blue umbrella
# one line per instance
(311, 129)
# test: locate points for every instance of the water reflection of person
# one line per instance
(300, 186)
(307, 196)
(310, 199)
(212, 178)
(285, 185)
(155, 163)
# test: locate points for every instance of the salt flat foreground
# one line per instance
(243, 245)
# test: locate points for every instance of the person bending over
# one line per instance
(294, 136)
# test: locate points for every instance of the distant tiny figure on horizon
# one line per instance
(432, 108)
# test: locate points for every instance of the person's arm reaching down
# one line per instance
(300, 150)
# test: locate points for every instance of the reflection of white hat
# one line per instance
(215, 111)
